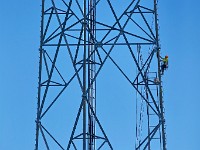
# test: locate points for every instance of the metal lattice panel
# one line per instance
(77, 39)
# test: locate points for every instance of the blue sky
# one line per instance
(19, 40)
(180, 36)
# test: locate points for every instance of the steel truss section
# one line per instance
(77, 39)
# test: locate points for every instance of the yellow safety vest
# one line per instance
(165, 60)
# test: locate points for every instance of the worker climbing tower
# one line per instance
(77, 39)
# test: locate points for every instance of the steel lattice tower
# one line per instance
(77, 38)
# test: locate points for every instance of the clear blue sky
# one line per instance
(19, 42)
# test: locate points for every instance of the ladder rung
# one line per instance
(152, 126)
(156, 138)
(153, 102)
(152, 114)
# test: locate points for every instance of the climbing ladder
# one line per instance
(91, 76)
